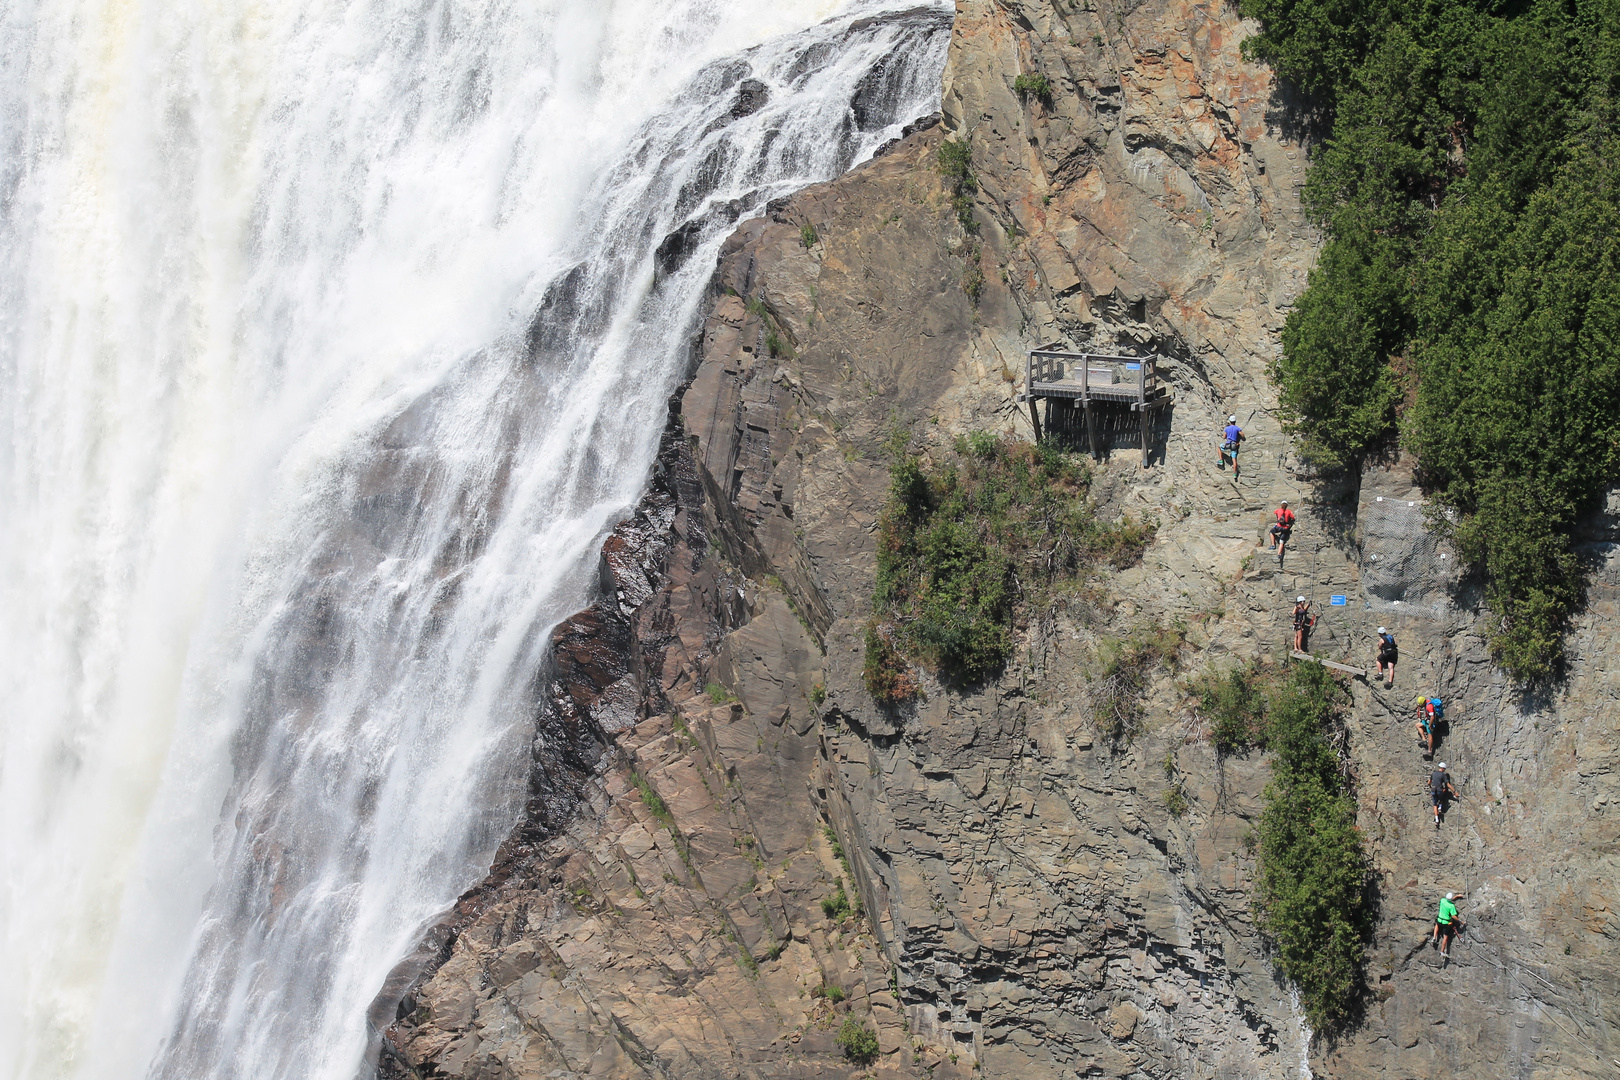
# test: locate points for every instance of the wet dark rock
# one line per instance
(752, 96)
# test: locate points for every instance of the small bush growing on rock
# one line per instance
(956, 165)
(818, 693)
(1128, 666)
(1235, 705)
(832, 993)
(956, 162)
(832, 842)
(718, 694)
(651, 799)
(1175, 800)
(1033, 86)
(1175, 796)
(836, 906)
(807, 235)
(886, 673)
(859, 1042)
(973, 282)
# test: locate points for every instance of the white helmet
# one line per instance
(1302, 600)
(1232, 419)
(1442, 764)
(1451, 896)
(1381, 630)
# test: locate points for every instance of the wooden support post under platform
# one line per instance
(1141, 403)
(1085, 399)
(1357, 672)
(1035, 418)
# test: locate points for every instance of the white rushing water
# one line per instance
(294, 480)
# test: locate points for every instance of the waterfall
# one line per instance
(333, 338)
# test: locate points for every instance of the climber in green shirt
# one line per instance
(1447, 922)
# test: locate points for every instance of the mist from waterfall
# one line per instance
(333, 338)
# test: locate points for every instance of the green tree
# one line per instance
(1518, 354)
(1464, 299)
(1312, 893)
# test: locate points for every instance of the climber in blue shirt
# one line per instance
(1231, 439)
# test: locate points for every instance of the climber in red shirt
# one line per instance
(1282, 529)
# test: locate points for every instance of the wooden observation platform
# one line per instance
(1092, 379)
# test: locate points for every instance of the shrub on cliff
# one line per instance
(1467, 302)
(859, 1042)
(955, 158)
(1128, 664)
(1313, 898)
(962, 545)
(1234, 705)
(1033, 86)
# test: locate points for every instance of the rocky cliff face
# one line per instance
(1028, 905)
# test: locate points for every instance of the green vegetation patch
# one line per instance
(955, 160)
(1033, 86)
(1175, 798)
(1313, 898)
(1467, 303)
(961, 546)
(837, 905)
(1233, 703)
(1128, 665)
(652, 800)
(859, 1042)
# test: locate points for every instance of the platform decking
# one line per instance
(1086, 378)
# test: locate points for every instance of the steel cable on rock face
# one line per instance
(1471, 936)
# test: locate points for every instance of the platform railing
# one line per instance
(1049, 366)
(1132, 380)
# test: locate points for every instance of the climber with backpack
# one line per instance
(1231, 439)
(1439, 790)
(1429, 712)
(1388, 653)
(1282, 530)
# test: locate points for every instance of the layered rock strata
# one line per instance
(1030, 906)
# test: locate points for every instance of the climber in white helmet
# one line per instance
(1440, 790)
(1231, 440)
(1388, 653)
(1303, 621)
